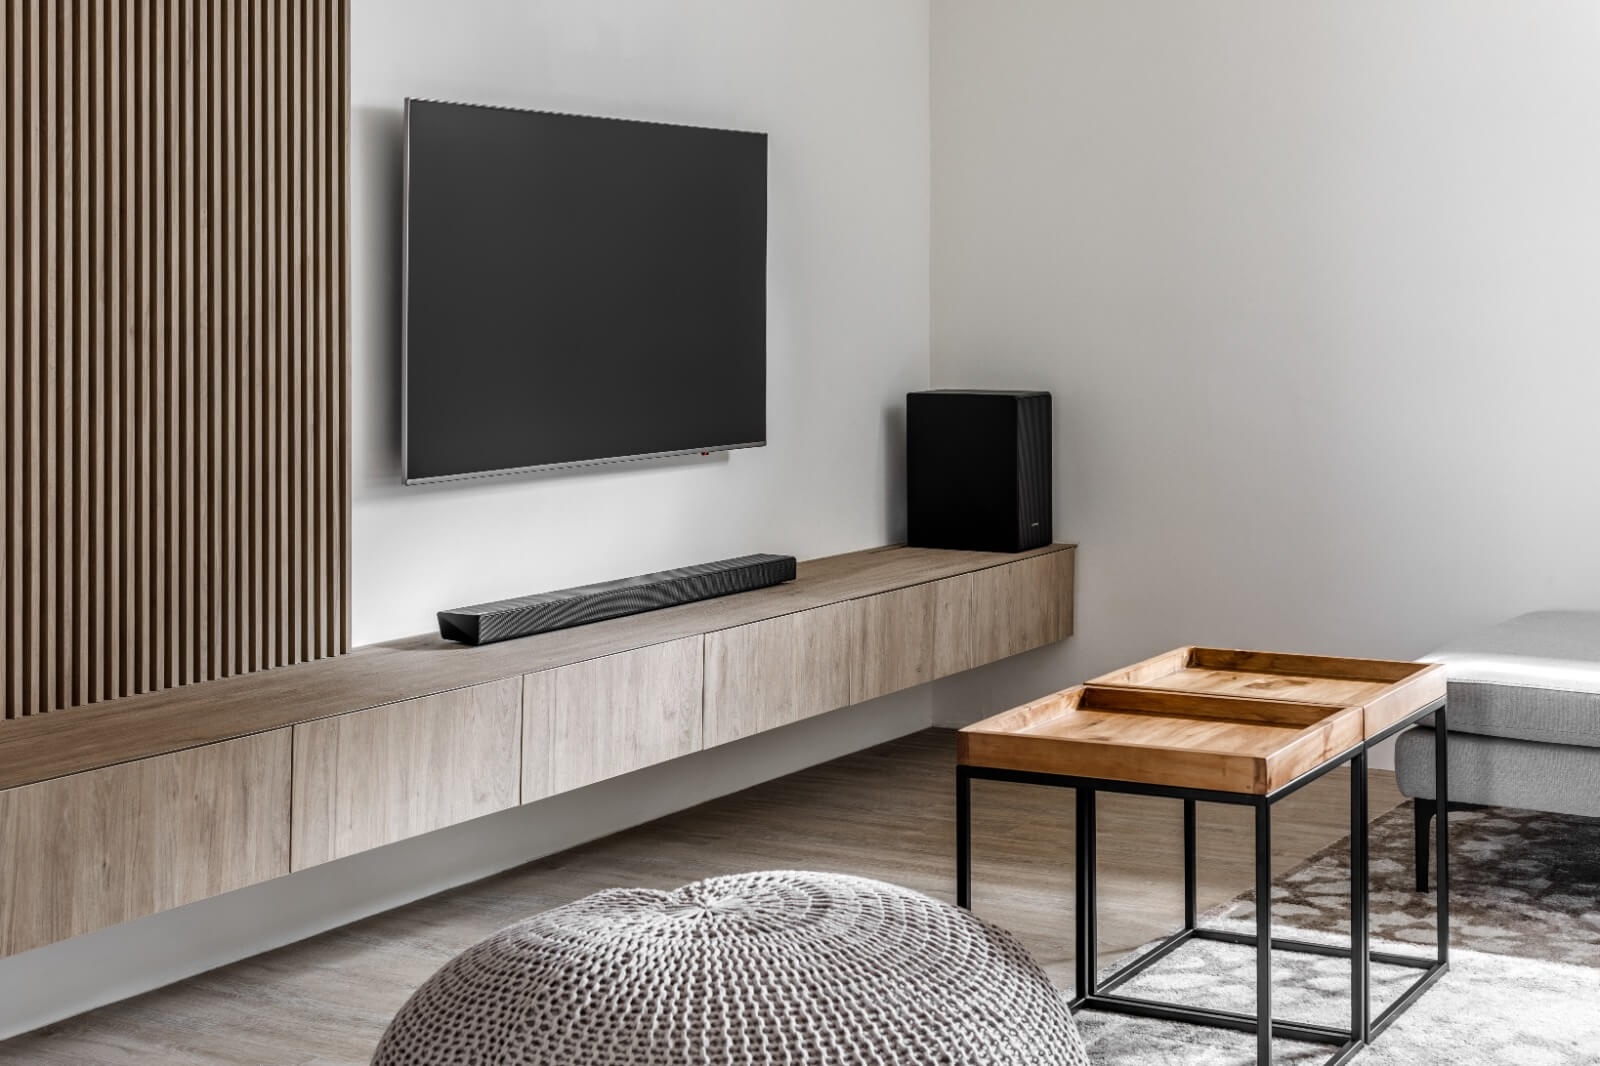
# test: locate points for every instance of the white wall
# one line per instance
(842, 89)
(1314, 285)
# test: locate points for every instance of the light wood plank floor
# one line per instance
(886, 813)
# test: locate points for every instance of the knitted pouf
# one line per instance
(765, 968)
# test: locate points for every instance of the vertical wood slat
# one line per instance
(219, 269)
(318, 79)
(98, 517)
(340, 139)
(256, 525)
(128, 341)
(174, 357)
(50, 339)
(32, 564)
(272, 189)
(7, 347)
(145, 366)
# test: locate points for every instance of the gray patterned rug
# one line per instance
(1525, 965)
(1522, 883)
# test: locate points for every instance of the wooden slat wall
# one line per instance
(174, 421)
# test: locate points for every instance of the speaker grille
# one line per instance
(542, 612)
(1033, 472)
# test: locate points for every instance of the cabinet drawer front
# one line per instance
(1015, 608)
(987, 615)
(770, 673)
(94, 849)
(954, 648)
(376, 776)
(892, 637)
(593, 720)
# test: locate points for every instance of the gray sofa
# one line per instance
(1524, 703)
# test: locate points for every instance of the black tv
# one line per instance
(578, 290)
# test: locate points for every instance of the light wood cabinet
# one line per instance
(771, 673)
(114, 812)
(138, 727)
(892, 641)
(593, 720)
(989, 614)
(380, 775)
(84, 852)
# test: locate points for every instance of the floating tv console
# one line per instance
(199, 790)
(545, 612)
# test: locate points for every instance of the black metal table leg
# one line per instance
(1441, 783)
(1086, 957)
(1191, 892)
(1422, 817)
(1360, 897)
(1263, 933)
(964, 837)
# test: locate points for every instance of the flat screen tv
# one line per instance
(578, 290)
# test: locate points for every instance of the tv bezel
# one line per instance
(405, 312)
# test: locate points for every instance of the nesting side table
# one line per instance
(1213, 725)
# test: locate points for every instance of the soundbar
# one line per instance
(542, 612)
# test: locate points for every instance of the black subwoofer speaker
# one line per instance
(978, 469)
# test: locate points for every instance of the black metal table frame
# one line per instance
(1094, 994)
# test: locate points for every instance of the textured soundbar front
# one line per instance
(542, 612)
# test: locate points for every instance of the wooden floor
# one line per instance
(886, 813)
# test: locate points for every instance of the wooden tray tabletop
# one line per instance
(1385, 690)
(1224, 743)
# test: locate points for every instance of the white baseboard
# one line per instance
(60, 980)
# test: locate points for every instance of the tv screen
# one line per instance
(578, 290)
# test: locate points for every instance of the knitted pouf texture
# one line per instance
(764, 968)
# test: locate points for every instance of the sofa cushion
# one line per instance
(1536, 677)
(1560, 778)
